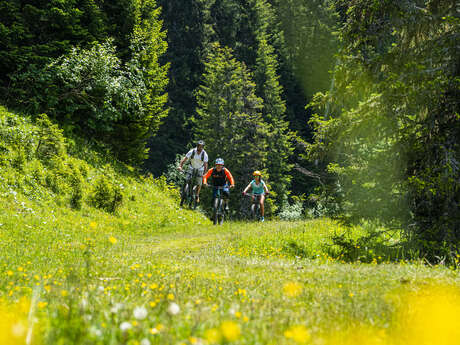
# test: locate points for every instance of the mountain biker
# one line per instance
(198, 160)
(259, 189)
(220, 178)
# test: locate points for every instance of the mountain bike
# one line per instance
(188, 192)
(255, 213)
(218, 211)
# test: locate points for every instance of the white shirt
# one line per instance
(196, 161)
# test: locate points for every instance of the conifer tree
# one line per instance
(229, 116)
(186, 25)
(274, 110)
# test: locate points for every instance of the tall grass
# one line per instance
(148, 272)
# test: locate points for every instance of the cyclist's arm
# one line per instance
(183, 161)
(205, 166)
(265, 188)
(206, 176)
(229, 177)
(246, 189)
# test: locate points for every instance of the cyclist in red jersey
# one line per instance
(221, 177)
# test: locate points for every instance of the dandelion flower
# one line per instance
(116, 308)
(173, 309)
(230, 330)
(145, 341)
(124, 326)
(298, 333)
(42, 305)
(140, 313)
(213, 336)
(112, 240)
(292, 289)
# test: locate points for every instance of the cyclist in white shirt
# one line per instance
(198, 160)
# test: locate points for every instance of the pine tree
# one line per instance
(188, 32)
(229, 116)
(279, 147)
(274, 110)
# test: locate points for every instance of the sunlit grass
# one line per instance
(101, 279)
(152, 273)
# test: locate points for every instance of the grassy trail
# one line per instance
(239, 283)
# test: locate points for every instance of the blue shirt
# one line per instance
(258, 188)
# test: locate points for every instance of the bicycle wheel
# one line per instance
(253, 212)
(193, 203)
(215, 216)
(184, 194)
(220, 212)
(190, 196)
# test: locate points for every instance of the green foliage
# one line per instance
(93, 93)
(34, 32)
(391, 123)
(106, 194)
(292, 211)
(112, 95)
(50, 139)
(37, 168)
(306, 50)
(188, 27)
(229, 117)
(279, 141)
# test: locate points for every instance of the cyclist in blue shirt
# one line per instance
(259, 190)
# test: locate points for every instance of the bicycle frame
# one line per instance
(255, 205)
(188, 194)
(218, 211)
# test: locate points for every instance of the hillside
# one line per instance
(76, 269)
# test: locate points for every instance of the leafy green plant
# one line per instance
(105, 194)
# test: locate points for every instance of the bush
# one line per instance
(51, 142)
(292, 211)
(105, 194)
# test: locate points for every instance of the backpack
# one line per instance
(193, 155)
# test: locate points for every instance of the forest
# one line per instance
(349, 108)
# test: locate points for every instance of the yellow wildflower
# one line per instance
(213, 336)
(298, 333)
(42, 305)
(292, 289)
(230, 330)
(112, 240)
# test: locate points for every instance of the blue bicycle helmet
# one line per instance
(219, 161)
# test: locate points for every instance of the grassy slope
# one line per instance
(87, 270)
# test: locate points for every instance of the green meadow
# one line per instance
(140, 270)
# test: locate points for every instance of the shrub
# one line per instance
(105, 194)
(292, 211)
(51, 142)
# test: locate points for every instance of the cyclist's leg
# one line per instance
(261, 200)
(226, 196)
(199, 182)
